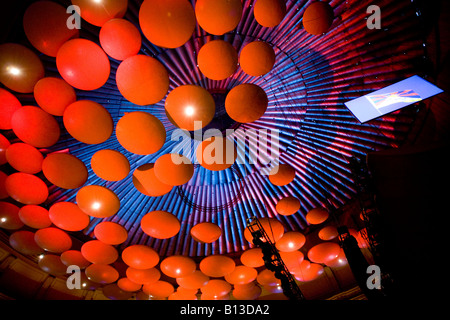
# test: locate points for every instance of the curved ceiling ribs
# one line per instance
(312, 78)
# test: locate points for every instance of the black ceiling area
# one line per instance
(359, 194)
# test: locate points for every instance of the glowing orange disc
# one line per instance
(257, 58)
(246, 102)
(308, 271)
(74, 257)
(83, 64)
(206, 232)
(98, 252)
(252, 258)
(291, 241)
(20, 68)
(218, 16)
(324, 252)
(8, 105)
(317, 216)
(97, 201)
(146, 182)
(292, 259)
(110, 165)
(288, 206)
(159, 289)
(143, 276)
(4, 144)
(242, 275)
(120, 39)
(64, 170)
(182, 295)
(102, 273)
(88, 122)
(190, 107)
(127, 285)
(216, 287)
(140, 257)
(167, 24)
(35, 216)
(68, 216)
(282, 174)
(217, 59)
(173, 169)
(193, 281)
(26, 188)
(160, 224)
(36, 127)
(52, 264)
(213, 296)
(267, 278)
(9, 216)
(269, 13)
(140, 133)
(318, 18)
(99, 12)
(216, 153)
(110, 233)
(113, 292)
(24, 158)
(178, 266)
(45, 25)
(23, 241)
(217, 266)
(273, 228)
(142, 80)
(246, 293)
(54, 95)
(53, 239)
(339, 261)
(328, 233)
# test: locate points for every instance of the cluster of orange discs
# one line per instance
(289, 243)
(143, 80)
(282, 175)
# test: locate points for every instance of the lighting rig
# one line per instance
(272, 259)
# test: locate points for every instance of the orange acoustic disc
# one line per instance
(97, 201)
(88, 122)
(217, 59)
(173, 169)
(160, 224)
(140, 133)
(64, 170)
(45, 25)
(218, 16)
(20, 67)
(110, 165)
(190, 107)
(167, 24)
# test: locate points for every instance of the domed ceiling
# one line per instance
(126, 77)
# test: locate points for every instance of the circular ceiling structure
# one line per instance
(105, 96)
